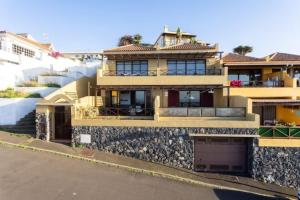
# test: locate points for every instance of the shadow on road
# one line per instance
(232, 195)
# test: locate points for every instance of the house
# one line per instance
(173, 103)
(272, 84)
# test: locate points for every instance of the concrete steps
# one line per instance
(25, 125)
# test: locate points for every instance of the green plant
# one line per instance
(51, 85)
(11, 93)
(29, 84)
(51, 74)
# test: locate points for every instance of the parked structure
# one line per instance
(171, 102)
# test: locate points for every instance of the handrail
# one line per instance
(119, 111)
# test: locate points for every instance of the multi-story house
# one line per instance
(168, 87)
(179, 103)
(271, 84)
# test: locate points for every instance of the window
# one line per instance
(21, 50)
(189, 98)
(186, 67)
(247, 76)
(139, 67)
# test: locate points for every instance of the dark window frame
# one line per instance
(186, 71)
(132, 70)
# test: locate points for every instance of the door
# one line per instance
(173, 98)
(207, 99)
(220, 154)
(63, 129)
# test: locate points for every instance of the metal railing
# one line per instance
(270, 83)
(164, 72)
(130, 73)
(119, 111)
(279, 131)
(202, 112)
(185, 72)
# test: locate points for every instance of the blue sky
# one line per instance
(90, 25)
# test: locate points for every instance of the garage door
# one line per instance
(220, 154)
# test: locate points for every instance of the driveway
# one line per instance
(25, 174)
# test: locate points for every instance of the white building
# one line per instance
(22, 58)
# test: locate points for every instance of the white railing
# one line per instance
(202, 112)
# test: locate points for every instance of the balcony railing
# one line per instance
(202, 112)
(279, 131)
(269, 83)
(167, 72)
(118, 111)
(185, 72)
(130, 73)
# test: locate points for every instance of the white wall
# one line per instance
(13, 109)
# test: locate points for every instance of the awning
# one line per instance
(291, 102)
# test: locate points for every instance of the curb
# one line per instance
(134, 169)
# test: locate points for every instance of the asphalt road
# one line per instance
(25, 174)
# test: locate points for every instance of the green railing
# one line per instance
(279, 131)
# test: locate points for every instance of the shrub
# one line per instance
(11, 93)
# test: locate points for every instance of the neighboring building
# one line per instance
(272, 84)
(22, 58)
(172, 103)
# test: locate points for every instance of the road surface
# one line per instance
(29, 175)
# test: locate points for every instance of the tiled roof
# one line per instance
(233, 57)
(188, 46)
(131, 47)
(284, 57)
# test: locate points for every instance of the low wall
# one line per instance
(279, 165)
(13, 109)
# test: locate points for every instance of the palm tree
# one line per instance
(125, 40)
(137, 38)
(243, 50)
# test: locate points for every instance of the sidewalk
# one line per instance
(236, 182)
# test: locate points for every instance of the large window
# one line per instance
(189, 98)
(247, 76)
(138, 67)
(21, 50)
(186, 67)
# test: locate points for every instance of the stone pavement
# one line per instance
(238, 182)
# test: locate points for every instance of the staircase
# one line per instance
(25, 125)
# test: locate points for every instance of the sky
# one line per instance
(92, 25)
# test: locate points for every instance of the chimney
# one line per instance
(166, 28)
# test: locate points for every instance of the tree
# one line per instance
(137, 38)
(125, 40)
(242, 50)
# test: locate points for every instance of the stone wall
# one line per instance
(169, 146)
(279, 165)
(43, 122)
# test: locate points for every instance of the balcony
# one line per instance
(214, 76)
